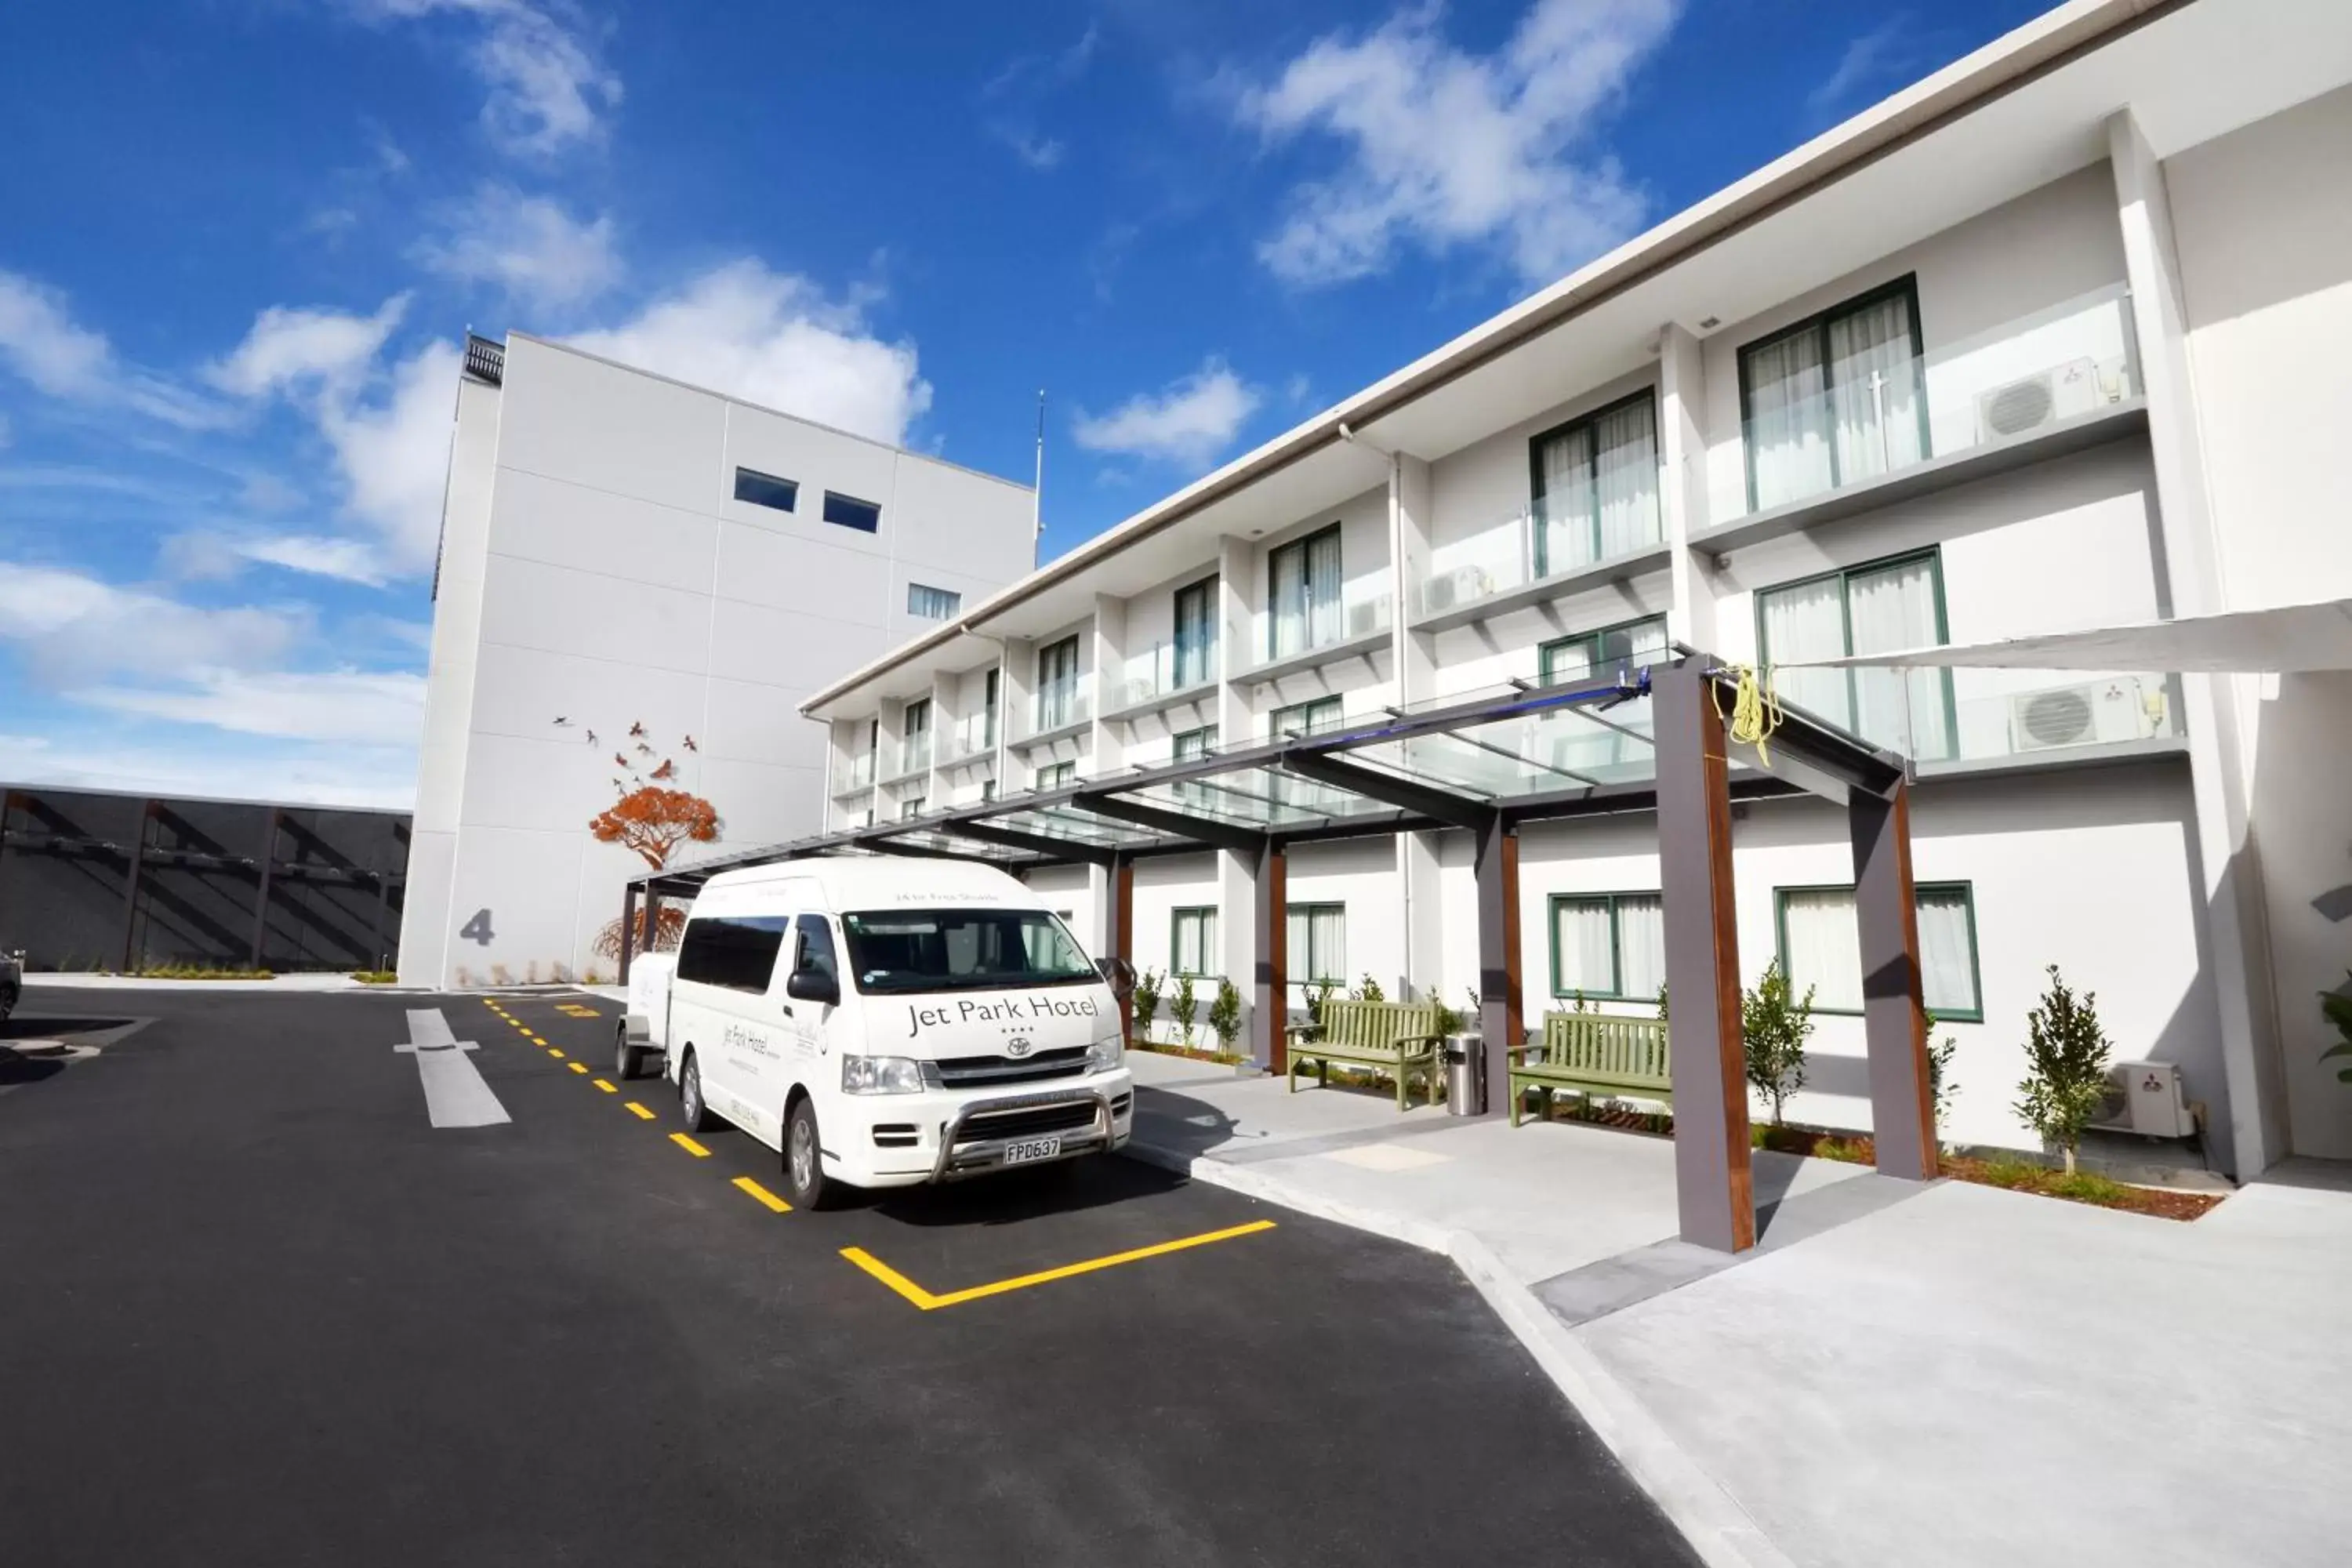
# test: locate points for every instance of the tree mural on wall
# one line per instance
(651, 819)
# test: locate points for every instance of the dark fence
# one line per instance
(96, 880)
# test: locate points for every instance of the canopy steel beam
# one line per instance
(1203, 830)
(1453, 810)
(1008, 839)
(1895, 1019)
(1271, 1005)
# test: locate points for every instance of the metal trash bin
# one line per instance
(1466, 1076)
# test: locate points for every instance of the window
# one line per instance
(1834, 399)
(1303, 593)
(1196, 635)
(1053, 775)
(988, 726)
(987, 789)
(1596, 486)
(1057, 685)
(915, 736)
(1609, 945)
(1599, 653)
(736, 952)
(1192, 744)
(962, 950)
(932, 604)
(1882, 608)
(766, 490)
(1318, 941)
(1193, 940)
(850, 512)
(1820, 946)
(910, 808)
(813, 949)
(1319, 717)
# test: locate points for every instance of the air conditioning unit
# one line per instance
(1463, 586)
(2146, 1098)
(2096, 712)
(2042, 398)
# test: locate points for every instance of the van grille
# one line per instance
(976, 1072)
(1028, 1121)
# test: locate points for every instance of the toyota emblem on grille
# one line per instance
(1018, 1045)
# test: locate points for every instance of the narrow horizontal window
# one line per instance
(932, 604)
(766, 490)
(850, 512)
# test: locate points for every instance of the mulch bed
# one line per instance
(1189, 1052)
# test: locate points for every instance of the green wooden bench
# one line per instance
(1594, 1054)
(1398, 1035)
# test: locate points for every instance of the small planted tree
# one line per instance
(1368, 990)
(1317, 993)
(1662, 1002)
(2066, 1067)
(1940, 1087)
(2336, 1008)
(1774, 1024)
(1225, 1014)
(1146, 1002)
(1185, 1008)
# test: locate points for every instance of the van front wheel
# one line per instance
(805, 1179)
(691, 1108)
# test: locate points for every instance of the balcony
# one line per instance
(1358, 626)
(1979, 720)
(1150, 682)
(853, 774)
(1547, 548)
(1058, 711)
(2023, 392)
(972, 740)
(911, 759)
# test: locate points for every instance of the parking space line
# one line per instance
(639, 1111)
(763, 1195)
(928, 1303)
(608, 1087)
(689, 1145)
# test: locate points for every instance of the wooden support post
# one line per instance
(1501, 1015)
(1122, 930)
(1894, 1018)
(1273, 1000)
(130, 886)
(1714, 1186)
(261, 894)
(628, 929)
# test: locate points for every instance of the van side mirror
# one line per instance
(812, 986)
(1118, 974)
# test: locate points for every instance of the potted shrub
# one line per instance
(2066, 1067)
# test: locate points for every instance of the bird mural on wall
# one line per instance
(690, 745)
(560, 722)
(591, 737)
(637, 731)
(668, 770)
(619, 761)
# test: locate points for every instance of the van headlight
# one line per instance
(881, 1075)
(1106, 1054)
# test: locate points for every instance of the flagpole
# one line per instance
(1037, 492)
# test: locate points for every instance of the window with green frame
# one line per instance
(1595, 482)
(1835, 398)
(1320, 717)
(1302, 590)
(1588, 654)
(1608, 946)
(1880, 606)
(1196, 635)
(1192, 942)
(1316, 936)
(1053, 775)
(1820, 946)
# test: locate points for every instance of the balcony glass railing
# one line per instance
(1938, 717)
(1553, 536)
(1887, 414)
(1160, 671)
(913, 755)
(851, 772)
(1059, 706)
(1285, 635)
(968, 739)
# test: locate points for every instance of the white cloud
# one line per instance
(1040, 152)
(40, 341)
(235, 767)
(74, 628)
(216, 557)
(394, 454)
(1868, 60)
(548, 90)
(1445, 148)
(774, 338)
(363, 706)
(529, 247)
(1190, 421)
(288, 348)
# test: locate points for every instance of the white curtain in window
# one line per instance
(1323, 618)
(1564, 513)
(1892, 608)
(1289, 632)
(1807, 621)
(1628, 479)
(1788, 449)
(1194, 939)
(1640, 945)
(1318, 943)
(1875, 396)
(1947, 970)
(1581, 942)
(1825, 946)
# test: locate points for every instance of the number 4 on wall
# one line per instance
(477, 929)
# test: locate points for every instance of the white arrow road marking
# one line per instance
(454, 1094)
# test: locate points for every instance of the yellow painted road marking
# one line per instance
(928, 1303)
(689, 1145)
(639, 1111)
(608, 1087)
(577, 1066)
(763, 1195)
(553, 1052)
(534, 1038)
(573, 1009)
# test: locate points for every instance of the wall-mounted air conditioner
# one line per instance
(2084, 715)
(2146, 1098)
(2043, 398)
(1463, 586)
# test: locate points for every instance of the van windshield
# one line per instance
(962, 950)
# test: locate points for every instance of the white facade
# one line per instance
(598, 576)
(2118, 247)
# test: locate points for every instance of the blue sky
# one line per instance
(241, 237)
